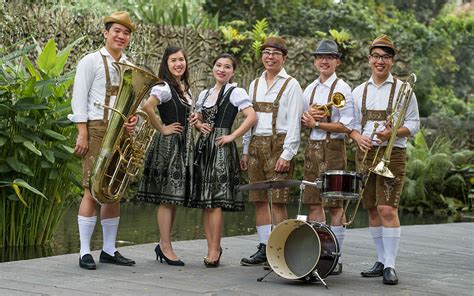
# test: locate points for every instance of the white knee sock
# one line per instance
(391, 241)
(378, 242)
(340, 233)
(264, 233)
(86, 229)
(109, 234)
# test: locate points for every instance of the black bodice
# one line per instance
(175, 110)
(226, 112)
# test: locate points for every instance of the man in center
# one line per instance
(268, 148)
(326, 149)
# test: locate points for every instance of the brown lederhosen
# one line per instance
(320, 156)
(264, 152)
(380, 190)
(96, 130)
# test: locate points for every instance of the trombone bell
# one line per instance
(382, 169)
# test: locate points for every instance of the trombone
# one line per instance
(401, 105)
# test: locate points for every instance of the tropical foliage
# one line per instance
(438, 178)
(37, 167)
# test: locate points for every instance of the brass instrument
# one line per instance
(121, 154)
(365, 177)
(337, 100)
(401, 106)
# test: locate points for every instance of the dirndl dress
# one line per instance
(166, 178)
(216, 174)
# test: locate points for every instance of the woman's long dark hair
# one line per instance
(165, 74)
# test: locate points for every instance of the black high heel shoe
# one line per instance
(216, 263)
(160, 255)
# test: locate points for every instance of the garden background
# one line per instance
(41, 42)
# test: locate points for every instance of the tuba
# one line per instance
(121, 153)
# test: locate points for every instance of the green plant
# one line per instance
(435, 178)
(37, 167)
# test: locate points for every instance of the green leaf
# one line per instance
(62, 56)
(19, 139)
(27, 121)
(31, 68)
(49, 155)
(24, 184)
(18, 166)
(68, 149)
(47, 59)
(54, 135)
(28, 106)
(3, 140)
(32, 147)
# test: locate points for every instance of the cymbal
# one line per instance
(270, 184)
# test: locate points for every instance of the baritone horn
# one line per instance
(121, 153)
(337, 100)
(401, 105)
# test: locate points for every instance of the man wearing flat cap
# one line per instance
(97, 80)
(374, 101)
(329, 127)
(268, 148)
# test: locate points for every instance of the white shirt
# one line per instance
(344, 115)
(89, 86)
(377, 99)
(288, 117)
(238, 98)
(163, 93)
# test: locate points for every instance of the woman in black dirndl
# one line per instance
(166, 177)
(217, 172)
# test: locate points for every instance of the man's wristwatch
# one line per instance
(316, 126)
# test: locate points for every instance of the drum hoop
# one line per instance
(340, 172)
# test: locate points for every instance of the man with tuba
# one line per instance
(376, 101)
(97, 80)
(326, 149)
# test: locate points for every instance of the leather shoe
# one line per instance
(87, 262)
(117, 258)
(258, 258)
(375, 271)
(337, 269)
(390, 276)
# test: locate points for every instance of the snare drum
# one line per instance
(297, 249)
(338, 184)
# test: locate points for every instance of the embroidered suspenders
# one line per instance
(331, 91)
(110, 90)
(376, 115)
(269, 107)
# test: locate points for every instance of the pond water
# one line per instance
(138, 226)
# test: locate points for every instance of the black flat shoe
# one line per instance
(160, 255)
(390, 276)
(117, 258)
(87, 262)
(375, 271)
(259, 258)
(210, 264)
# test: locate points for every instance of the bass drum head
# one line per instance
(293, 249)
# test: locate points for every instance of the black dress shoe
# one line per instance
(210, 263)
(117, 258)
(87, 262)
(160, 255)
(337, 270)
(376, 270)
(390, 276)
(258, 258)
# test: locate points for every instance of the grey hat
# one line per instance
(327, 47)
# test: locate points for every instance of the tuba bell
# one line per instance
(121, 154)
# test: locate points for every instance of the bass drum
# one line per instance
(297, 249)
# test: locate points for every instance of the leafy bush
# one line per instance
(37, 167)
